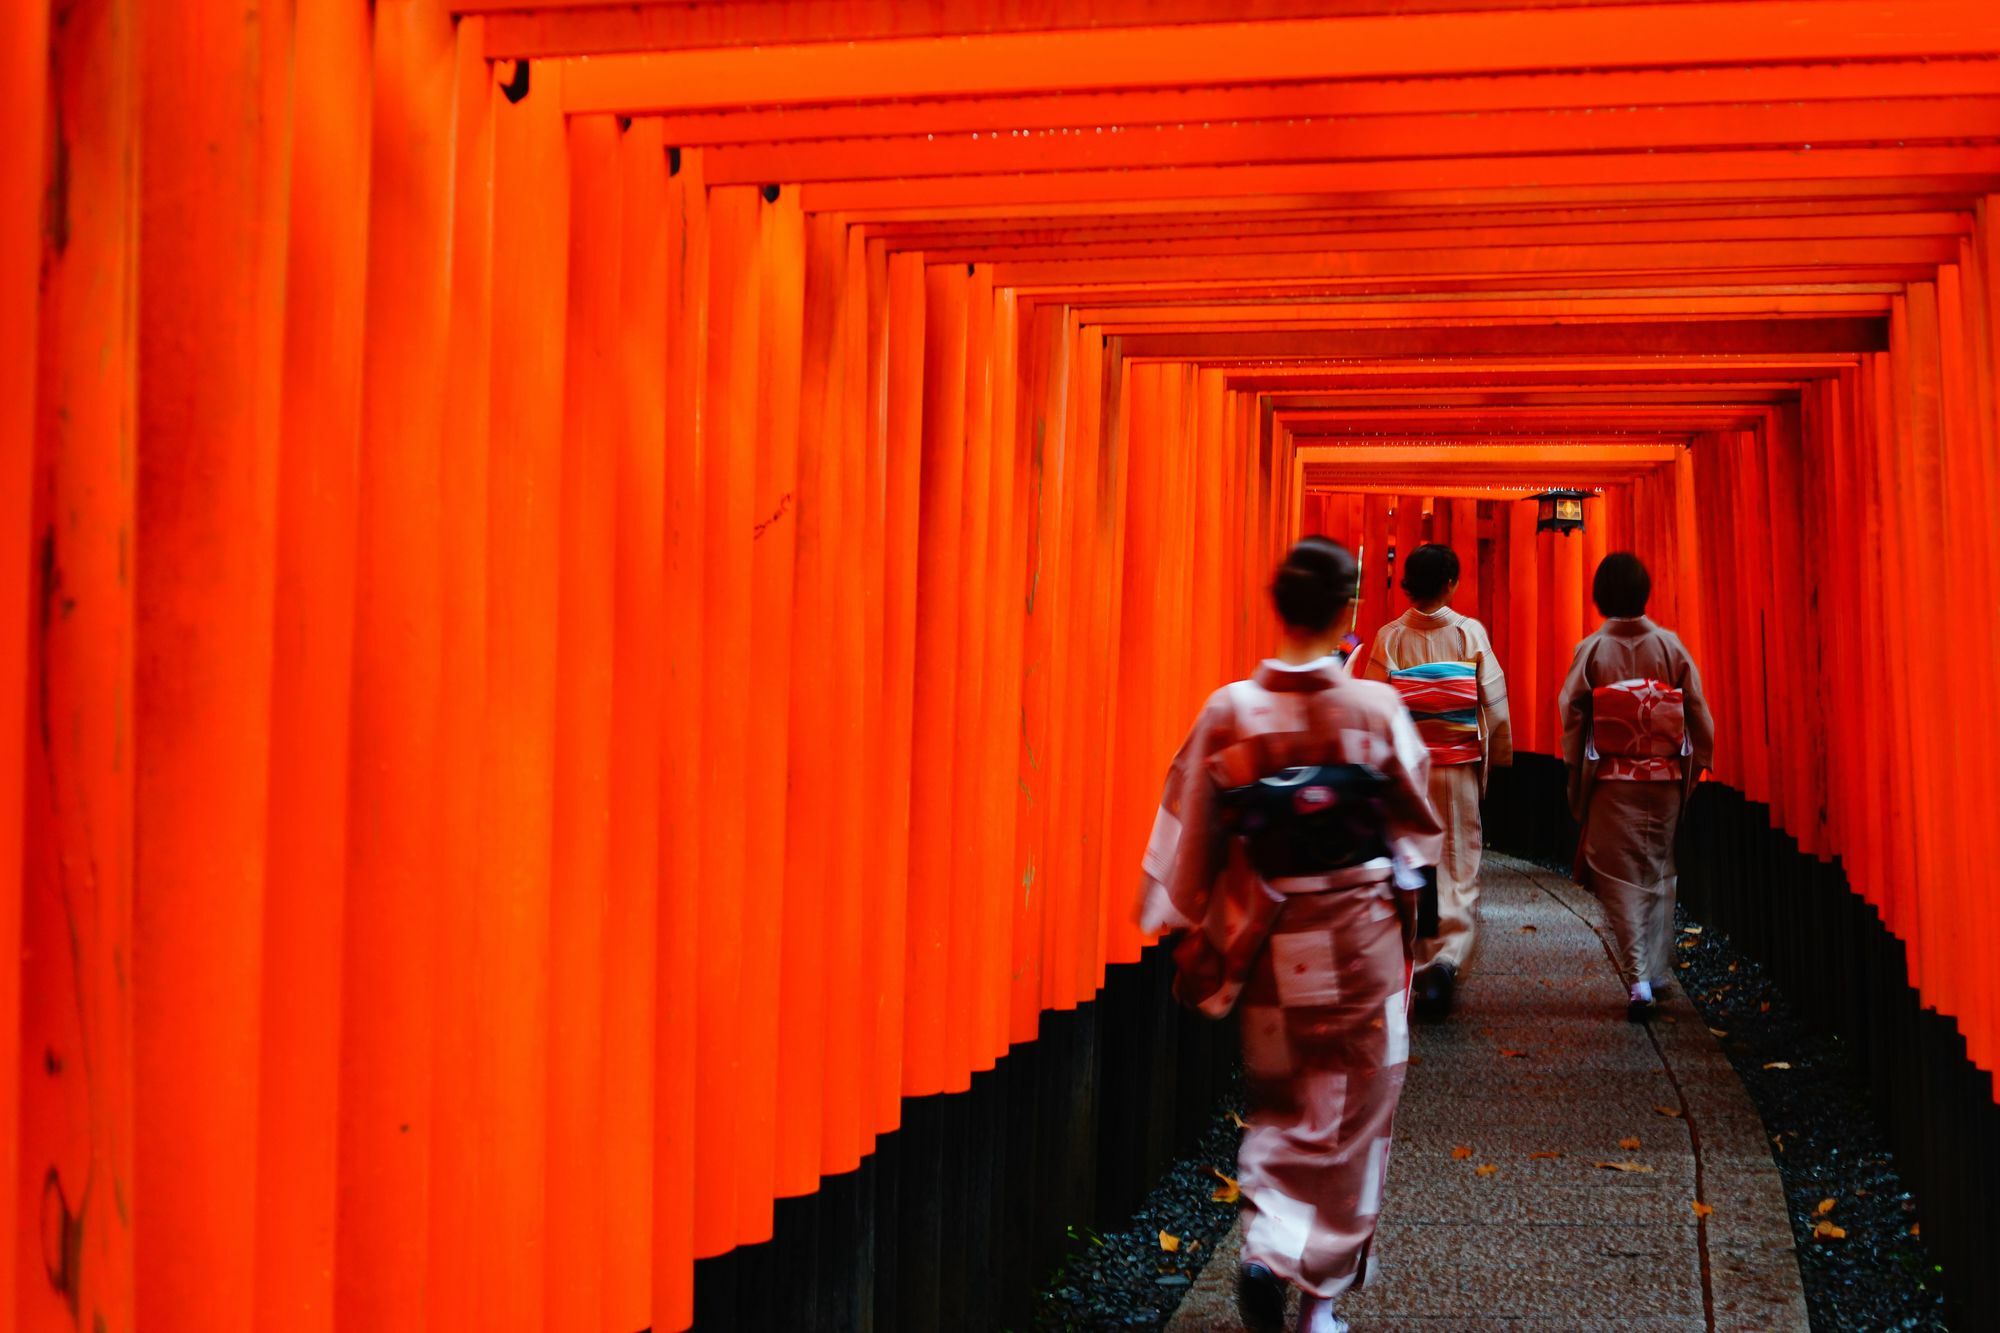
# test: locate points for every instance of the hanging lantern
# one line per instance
(1559, 511)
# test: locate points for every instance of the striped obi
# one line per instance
(1638, 732)
(1443, 698)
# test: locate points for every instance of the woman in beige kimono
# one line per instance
(1442, 663)
(1285, 847)
(1636, 736)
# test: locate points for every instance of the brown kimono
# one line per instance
(1625, 854)
(1317, 963)
(1414, 639)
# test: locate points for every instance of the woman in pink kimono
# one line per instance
(1443, 665)
(1286, 847)
(1636, 736)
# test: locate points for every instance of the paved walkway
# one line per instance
(1547, 1242)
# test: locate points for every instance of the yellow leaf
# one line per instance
(1622, 1166)
(1487, 1170)
(1779, 1064)
(1667, 1111)
(1828, 1231)
(1169, 1243)
(1542, 1156)
(1238, 1121)
(1825, 1207)
(1691, 930)
(1630, 1144)
(1228, 1191)
(1701, 1209)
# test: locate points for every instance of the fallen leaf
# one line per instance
(1718, 1032)
(1542, 1156)
(1683, 966)
(1227, 1192)
(1732, 967)
(1529, 930)
(1828, 1231)
(1514, 1055)
(1238, 1121)
(1779, 1064)
(1169, 1243)
(1460, 1153)
(1689, 944)
(1487, 1170)
(1825, 1207)
(1630, 1143)
(1667, 1111)
(1916, 1228)
(1701, 1209)
(1764, 1008)
(1691, 930)
(1623, 1166)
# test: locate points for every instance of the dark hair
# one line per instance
(1429, 570)
(1622, 585)
(1314, 584)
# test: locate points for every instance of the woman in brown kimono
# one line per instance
(1636, 736)
(1295, 894)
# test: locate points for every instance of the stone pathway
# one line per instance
(1548, 1243)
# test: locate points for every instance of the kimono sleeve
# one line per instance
(1700, 723)
(1495, 722)
(1573, 709)
(1186, 851)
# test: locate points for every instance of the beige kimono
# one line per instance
(1625, 854)
(1314, 967)
(1414, 639)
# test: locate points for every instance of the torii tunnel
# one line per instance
(599, 593)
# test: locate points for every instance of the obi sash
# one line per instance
(1309, 821)
(1638, 732)
(1443, 698)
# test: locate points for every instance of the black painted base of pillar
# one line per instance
(1845, 973)
(959, 1217)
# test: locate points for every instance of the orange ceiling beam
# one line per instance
(1193, 55)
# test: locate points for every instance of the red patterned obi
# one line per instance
(1443, 699)
(1638, 732)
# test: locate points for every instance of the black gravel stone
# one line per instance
(1123, 1279)
(1827, 1143)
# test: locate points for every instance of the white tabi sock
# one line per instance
(1642, 992)
(1316, 1316)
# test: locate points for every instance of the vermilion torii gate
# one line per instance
(599, 589)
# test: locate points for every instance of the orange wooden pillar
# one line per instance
(941, 523)
(730, 458)
(74, 950)
(213, 167)
(632, 910)
(313, 662)
(1465, 545)
(439, 70)
(1002, 724)
(1532, 700)
(517, 770)
(895, 474)
(681, 1024)
(585, 641)
(394, 872)
(772, 437)
(24, 37)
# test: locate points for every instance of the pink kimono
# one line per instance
(1630, 772)
(1318, 963)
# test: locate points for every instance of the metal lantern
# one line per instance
(1559, 511)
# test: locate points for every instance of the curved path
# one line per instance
(1549, 1242)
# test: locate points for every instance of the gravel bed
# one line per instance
(1125, 1279)
(1827, 1144)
